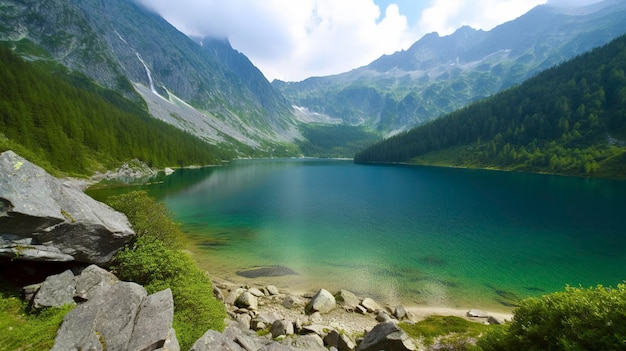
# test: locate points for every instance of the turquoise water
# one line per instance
(416, 235)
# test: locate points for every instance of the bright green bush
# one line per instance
(576, 319)
(149, 218)
(156, 262)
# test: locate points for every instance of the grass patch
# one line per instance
(449, 330)
(156, 260)
(22, 330)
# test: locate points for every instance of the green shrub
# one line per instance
(455, 332)
(21, 330)
(156, 262)
(576, 319)
(149, 218)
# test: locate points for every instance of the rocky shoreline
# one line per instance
(260, 318)
(340, 321)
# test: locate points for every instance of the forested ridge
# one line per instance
(67, 123)
(570, 119)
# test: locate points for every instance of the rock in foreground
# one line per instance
(43, 219)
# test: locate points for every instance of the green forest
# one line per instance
(67, 124)
(570, 119)
(335, 140)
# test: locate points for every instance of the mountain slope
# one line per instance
(209, 90)
(437, 75)
(567, 120)
(66, 123)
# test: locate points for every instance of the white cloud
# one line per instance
(296, 39)
(445, 16)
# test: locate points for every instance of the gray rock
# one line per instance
(386, 336)
(256, 292)
(347, 300)
(322, 302)
(60, 221)
(383, 317)
(400, 312)
(213, 340)
(244, 319)
(360, 309)
(370, 305)
(105, 322)
(310, 342)
(92, 282)
(171, 343)
(340, 341)
(250, 343)
(153, 322)
(281, 327)
(273, 290)
(247, 300)
(314, 329)
(57, 290)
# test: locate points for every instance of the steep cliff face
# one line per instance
(204, 87)
(63, 34)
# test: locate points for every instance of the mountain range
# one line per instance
(206, 88)
(438, 75)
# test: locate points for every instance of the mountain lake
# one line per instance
(431, 236)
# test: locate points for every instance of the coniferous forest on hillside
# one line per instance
(570, 119)
(65, 122)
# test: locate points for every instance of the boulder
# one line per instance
(400, 312)
(256, 292)
(214, 340)
(92, 282)
(370, 305)
(57, 290)
(41, 218)
(382, 317)
(281, 327)
(272, 290)
(121, 317)
(247, 300)
(153, 324)
(310, 342)
(322, 302)
(347, 300)
(386, 336)
(339, 341)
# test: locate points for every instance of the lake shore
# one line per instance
(340, 318)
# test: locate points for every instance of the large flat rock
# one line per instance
(41, 218)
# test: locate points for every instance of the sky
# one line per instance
(292, 40)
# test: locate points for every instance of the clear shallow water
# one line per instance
(416, 235)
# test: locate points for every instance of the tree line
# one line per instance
(570, 119)
(67, 123)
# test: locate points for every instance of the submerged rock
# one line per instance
(269, 271)
(41, 218)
